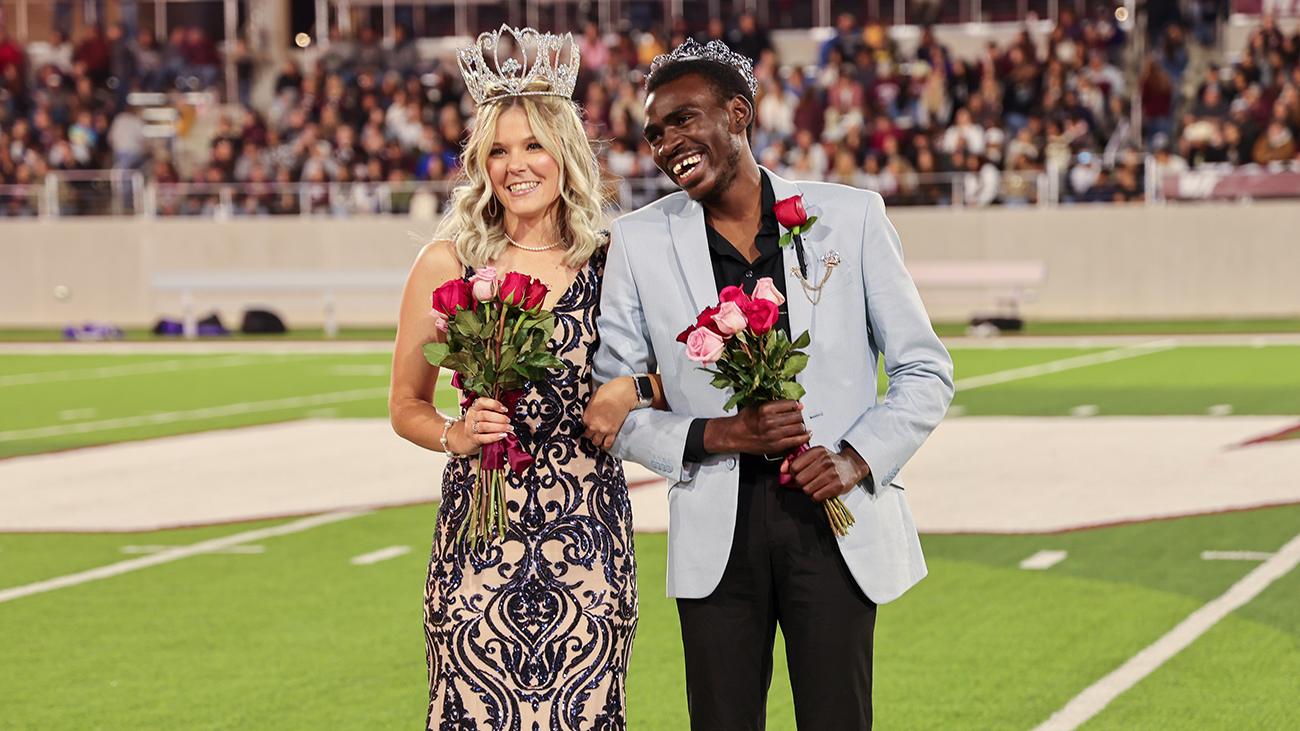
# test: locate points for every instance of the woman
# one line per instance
(533, 630)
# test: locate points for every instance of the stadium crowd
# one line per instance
(923, 127)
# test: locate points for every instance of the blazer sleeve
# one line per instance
(887, 434)
(656, 439)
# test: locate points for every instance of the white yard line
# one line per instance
(133, 369)
(1091, 701)
(382, 554)
(1043, 560)
(1056, 366)
(175, 554)
(211, 412)
(1049, 342)
(1235, 556)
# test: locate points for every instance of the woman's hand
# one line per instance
(486, 421)
(607, 410)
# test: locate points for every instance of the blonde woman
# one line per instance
(533, 630)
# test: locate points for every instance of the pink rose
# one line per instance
(484, 283)
(730, 318)
(790, 212)
(765, 290)
(439, 320)
(733, 294)
(704, 320)
(762, 315)
(704, 346)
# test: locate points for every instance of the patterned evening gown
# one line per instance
(533, 633)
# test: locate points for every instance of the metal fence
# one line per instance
(128, 193)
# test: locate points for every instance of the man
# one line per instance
(746, 554)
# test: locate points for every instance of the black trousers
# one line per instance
(784, 569)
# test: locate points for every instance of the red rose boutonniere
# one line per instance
(791, 215)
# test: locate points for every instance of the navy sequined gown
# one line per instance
(534, 632)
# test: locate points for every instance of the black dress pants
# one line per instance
(784, 569)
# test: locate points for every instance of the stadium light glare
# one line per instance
(302, 40)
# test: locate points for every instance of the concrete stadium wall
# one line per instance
(1103, 262)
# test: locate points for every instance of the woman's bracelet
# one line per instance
(445, 426)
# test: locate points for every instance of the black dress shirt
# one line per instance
(732, 269)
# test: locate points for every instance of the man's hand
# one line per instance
(823, 474)
(770, 428)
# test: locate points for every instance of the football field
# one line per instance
(314, 623)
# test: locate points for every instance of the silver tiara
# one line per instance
(715, 51)
(513, 76)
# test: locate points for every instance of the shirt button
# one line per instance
(749, 273)
(731, 463)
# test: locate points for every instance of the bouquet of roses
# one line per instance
(496, 344)
(754, 359)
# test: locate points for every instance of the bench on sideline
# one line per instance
(1015, 277)
(327, 283)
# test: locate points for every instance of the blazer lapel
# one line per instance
(692, 247)
(798, 308)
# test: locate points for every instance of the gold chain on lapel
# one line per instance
(829, 261)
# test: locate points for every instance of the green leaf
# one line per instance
(720, 381)
(436, 353)
(808, 224)
(785, 238)
(803, 340)
(794, 364)
(543, 360)
(792, 390)
(731, 402)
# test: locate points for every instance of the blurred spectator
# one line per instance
(1277, 144)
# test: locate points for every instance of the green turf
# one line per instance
(46, 335)
(298, 638)
(1139, 327)
(62, 392)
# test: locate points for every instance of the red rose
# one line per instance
(514, 288)
(762, 315)
(536, 294)
(733, 294)
(705, 320)
(453, 296)
(790, 212)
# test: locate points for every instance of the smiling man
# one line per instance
(747, 554)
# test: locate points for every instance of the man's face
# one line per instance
(694, 138)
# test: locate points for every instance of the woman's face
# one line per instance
(524, 176)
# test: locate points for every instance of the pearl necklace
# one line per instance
(530, 248)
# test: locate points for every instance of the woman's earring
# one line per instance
(493, 207)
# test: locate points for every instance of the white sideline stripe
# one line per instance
(1065, 364)
(382, 554)
(1097, 696)
(159, 549)
(133, 369)
(1043, 560)
(211, 412)
(1235, 556)
(175, 554)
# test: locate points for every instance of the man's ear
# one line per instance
(739, 113)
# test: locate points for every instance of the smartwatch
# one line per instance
(645, 392)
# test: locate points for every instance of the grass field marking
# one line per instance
(175, 554)
(136, 550)
(132, 369)
(1235, 556)
(382, 554)
(1044, 560)
(1097, 696)
(211, 412)
(1065, 364)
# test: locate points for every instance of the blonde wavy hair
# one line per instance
(475, 220)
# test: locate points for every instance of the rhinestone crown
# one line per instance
(715, 51)
(513, 76)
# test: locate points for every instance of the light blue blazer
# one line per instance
(659, 277)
